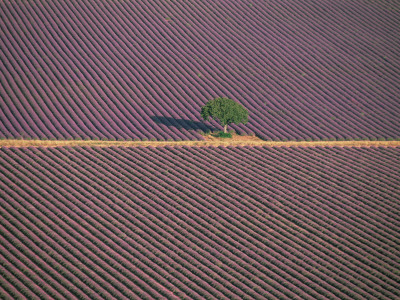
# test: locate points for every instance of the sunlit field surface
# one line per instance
(141, 70)
(200, 223)
(112, 186)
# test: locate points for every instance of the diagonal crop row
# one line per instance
(177, 222)
(133, 70)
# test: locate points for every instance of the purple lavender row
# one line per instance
(355, 168)
(154, 67)
(56, 71)
(37, 72)
(83, 277)
(11, 286)
(156, 210)
(240, 220)
(192, 195)
(194, 49)
(205, 262)
(328, 178)
(126, 208)
(68, 81)
(12, 70)
(65, 249)
(154, 85)
(40, 106)
(266, 228)
(116, 83)
(118, 107)
(326, 209)
(337, 165)
(17, 111)
(252, 154)
(88, 86)
(84, 91)
(242, 225)
(17, 278)
(155, 61)
(178, 194)
(335, 33)
(385, 168)
(117, 274)
(54, 285)
(80, 187)
(144, 227)
(103, 107)
(44, 265)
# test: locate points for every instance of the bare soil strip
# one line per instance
(209, 141)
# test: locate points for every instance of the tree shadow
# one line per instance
(182, 124)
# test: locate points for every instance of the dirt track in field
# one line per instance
(236, 140)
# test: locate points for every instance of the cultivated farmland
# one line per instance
(200, 223)
(118, 70)
(110, 187)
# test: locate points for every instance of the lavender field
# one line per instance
(199, 223)
(121, 70)
(180, 222)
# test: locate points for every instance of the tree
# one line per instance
(226, 111)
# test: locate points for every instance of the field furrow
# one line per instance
(217, 222)
(141, 71)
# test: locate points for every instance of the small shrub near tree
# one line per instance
(224, 135)
(225, 111)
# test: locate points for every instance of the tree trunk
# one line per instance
(226, 128)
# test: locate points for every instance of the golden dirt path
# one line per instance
(209, 141)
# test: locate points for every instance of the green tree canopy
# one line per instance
(226, 111)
